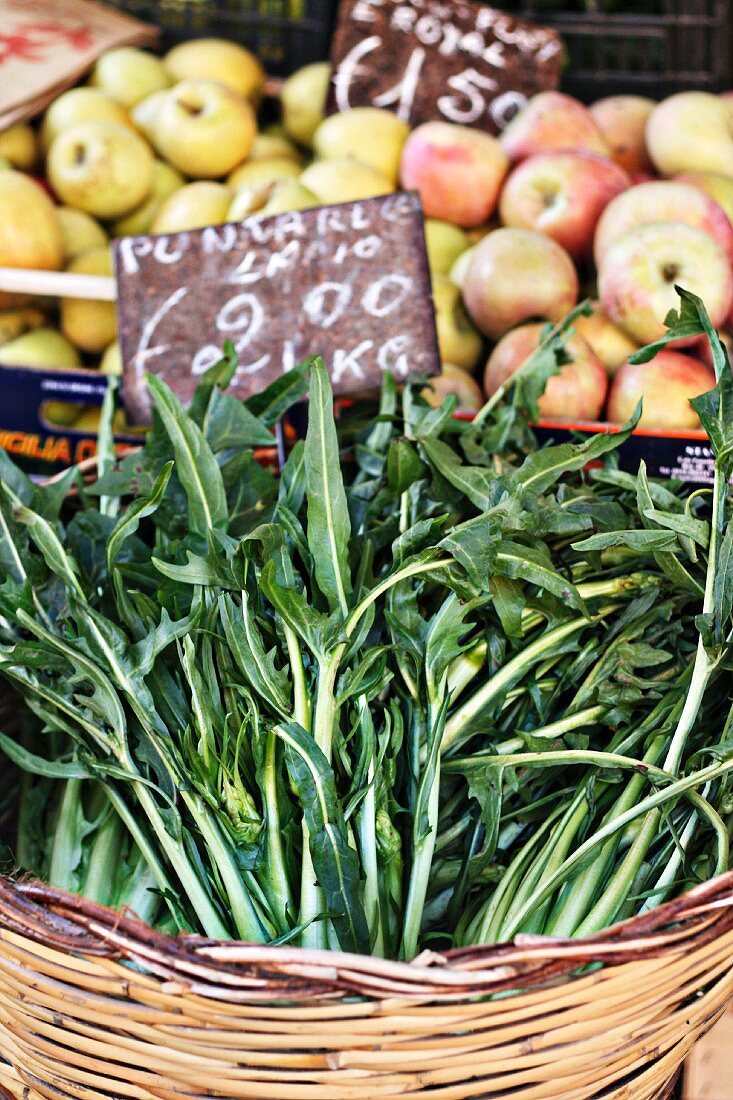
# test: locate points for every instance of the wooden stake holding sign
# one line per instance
(440, 59)
(348, 282)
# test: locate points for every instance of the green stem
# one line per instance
(244, 914)
(703, 666)
(545, 865)
(574, 908)
(312, 900)
(199, 898)
(461, 721)
(149, 852)
(367, 830)
(412, 570)
(66, 840)
(618, 887)
(651, 802)
(425, 825)
(277, 878)
(104, 860)
(139, 895)
(484, 926)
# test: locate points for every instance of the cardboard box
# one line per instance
(37, 444)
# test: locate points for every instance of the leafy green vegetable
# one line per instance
(425, 684)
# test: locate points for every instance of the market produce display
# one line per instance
(426, 685)
(619, 201)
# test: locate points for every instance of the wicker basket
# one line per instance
(94, 1005)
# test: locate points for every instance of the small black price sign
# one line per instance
(440, 59)
(348, 282)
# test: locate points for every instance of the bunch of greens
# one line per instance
(435, 690)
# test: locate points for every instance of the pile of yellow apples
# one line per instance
(617, 201)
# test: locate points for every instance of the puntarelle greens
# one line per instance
(421, 687)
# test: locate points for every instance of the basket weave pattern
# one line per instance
(95, 1005)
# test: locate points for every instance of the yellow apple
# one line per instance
(111, 361)
(144, 114)
(691, 132)
(193, 207)
(303, 99)
(267, 145)
(345, 180)
(254, 173)
(129, 75)
(454, 381)
(89, 325)
(80, 105)
(60, 414)
(459, 268)
(43, 347)
(459, 341)
(166, 180)
(18, 145)
(101, 167)
(14, 322)
(204, 129)
(371, 135)
(80, 232)
(217, 59)
(445, 243)
(276, 197)
(30, 232)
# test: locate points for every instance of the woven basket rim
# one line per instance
(73, 924)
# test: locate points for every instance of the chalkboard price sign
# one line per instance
(348, 282)
(440, 59)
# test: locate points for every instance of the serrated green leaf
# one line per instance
(253, 659)
(519, 562)
(47, 540)
(478, 483)
(133, 515)
(636, 540)
(544, 467)
(196, 465)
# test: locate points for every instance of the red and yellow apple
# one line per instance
(691, 131)
(610, 343)
(661, 201)
(577, 392)
(715, 185)
(552, 121)
(666, 383)
(456, 170)
(516, 275)
(622, 121)
(562, 195)
(638, 274)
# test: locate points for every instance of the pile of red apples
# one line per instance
(619, 202)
